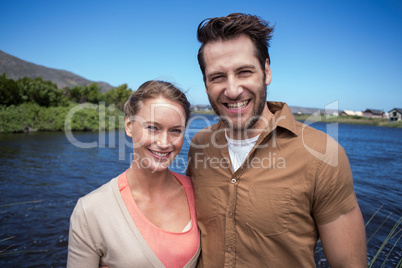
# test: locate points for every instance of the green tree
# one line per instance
(118, 96)
(9, 92)
(92, 93)
(86, 93)
(75, 94)
(44, 93)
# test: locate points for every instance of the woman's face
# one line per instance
(157, 131)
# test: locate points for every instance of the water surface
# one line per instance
(49, 169)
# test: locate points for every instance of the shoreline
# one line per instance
(355, 120)
(341, 119)
(29, 118)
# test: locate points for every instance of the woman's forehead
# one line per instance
(161, 110)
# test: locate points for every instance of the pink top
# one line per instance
(172, 249)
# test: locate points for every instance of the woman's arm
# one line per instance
(82, 251)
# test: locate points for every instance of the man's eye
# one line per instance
(245, 72)
(217, 78)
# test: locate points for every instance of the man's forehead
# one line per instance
(232, 53)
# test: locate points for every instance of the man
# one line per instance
(266, 185)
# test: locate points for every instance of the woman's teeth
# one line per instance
(159, 154)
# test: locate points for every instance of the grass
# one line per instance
(382, 122)
(392, 234)
(358, 120)
(388, 245)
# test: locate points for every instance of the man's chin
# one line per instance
(234, 125)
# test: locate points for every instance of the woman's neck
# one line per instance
(148, 182)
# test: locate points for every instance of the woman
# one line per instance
(145, 217)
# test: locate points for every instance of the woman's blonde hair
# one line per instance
(153, 89)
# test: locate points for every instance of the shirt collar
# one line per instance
(282, 118)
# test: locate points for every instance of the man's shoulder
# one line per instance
(318, 141)
(205, 134)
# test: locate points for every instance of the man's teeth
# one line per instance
(238, 105)
(160, 154)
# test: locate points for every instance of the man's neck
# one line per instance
(253, 131)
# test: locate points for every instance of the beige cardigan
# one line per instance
(102, 233)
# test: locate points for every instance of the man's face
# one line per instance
(235, 82)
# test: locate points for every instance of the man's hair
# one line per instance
(231, 27)
(153, 89)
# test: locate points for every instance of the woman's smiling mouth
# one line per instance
(159, 154)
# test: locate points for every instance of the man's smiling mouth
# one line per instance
(237, 105)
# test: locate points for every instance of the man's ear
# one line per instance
(205, 85)
(127, 126)
(268, 77)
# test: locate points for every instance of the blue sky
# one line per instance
(322, 51)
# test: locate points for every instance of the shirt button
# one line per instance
(233, 181)
(229, 249)
(230, 214)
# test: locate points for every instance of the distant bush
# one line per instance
(37, 105)
(29, 117)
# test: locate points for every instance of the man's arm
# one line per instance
(344, 240)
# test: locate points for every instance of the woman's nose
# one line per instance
(162, 140)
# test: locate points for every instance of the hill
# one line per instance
(16, 68)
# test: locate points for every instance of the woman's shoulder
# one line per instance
(99, 203)
(99, 194)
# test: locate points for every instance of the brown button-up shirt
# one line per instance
(265, 214)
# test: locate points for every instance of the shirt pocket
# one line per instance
(269, 209)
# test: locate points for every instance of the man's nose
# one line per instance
(233, 88)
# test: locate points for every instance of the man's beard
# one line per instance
(260, 102)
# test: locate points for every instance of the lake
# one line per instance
(49, 173)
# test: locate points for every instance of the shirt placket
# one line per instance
(230, 222)
(230, 228)
(230, 216)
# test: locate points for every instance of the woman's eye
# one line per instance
(177, 131)
(152, 128)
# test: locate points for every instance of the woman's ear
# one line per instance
(127, 126)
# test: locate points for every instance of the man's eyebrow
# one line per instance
(215, 73)
(247, 66)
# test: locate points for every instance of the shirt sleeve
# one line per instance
(81, 247)
(334, 192)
